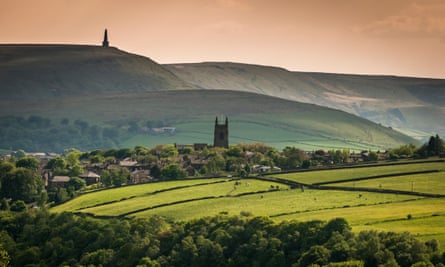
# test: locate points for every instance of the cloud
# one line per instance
(416, 20)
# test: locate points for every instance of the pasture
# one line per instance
(432, 183)
(126, 192)
(228, 188)
(273, 204)
(248, 129)
(333, 175)
(189, 199)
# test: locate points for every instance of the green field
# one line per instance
(273, 204)
(250, 128)
(323, 176)
(191, 199)
(428, 217)
(121, 193)
(432, 183)
(224, 189)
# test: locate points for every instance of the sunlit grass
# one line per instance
(274, 203)
(350, 173)
(116, 194)
(433, 183)
(211, 190)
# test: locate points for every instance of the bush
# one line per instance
(245, 213)
(18, 206)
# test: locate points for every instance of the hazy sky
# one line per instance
(393, 37)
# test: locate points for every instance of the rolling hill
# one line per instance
(415, 106)
(40, 72)
(107, 87)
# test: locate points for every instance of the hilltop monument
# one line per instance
(105, 41)
(221, 134)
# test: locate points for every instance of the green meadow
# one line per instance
(185, 200)
(276, 130)
(126, 192)
(325, 176)
(273, 204)
(432, 183)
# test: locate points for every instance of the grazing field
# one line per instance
(323, 176)
(126, 192)
(427, 217)
(248, 128)
(273, 204)
(227, 188)
(432, 183)
(184, 200)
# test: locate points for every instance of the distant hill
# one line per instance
(41, 71)
(416, 106)
(107, 97)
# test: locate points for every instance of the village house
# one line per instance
(58, 181)
(263, 168)
(90, 178)
(140, 176)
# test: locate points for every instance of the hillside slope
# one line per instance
(123, 93)
(414, 105)
(252, 117)
(42, 71)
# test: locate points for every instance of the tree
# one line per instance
(293, 157)
(4, 257)
(58, 163)
(20, 154)
(42, 199)
(22, 184)
(28, 162)
(5, 168)
(372, 156)
(147, 262)
(120, 176)
(172, 172)
(72, 158)
(76, 183)
(435, 146)
(316, 255)
(155, 172)
(169, 151)
(306, 164)
(4, 205)
(100, 257)
(18, 206)
(61, 195)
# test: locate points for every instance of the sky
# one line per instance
(389, 37)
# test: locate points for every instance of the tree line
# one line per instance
(36, 133)
(21, 177)
(39, 238)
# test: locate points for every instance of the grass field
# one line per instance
(351, 173)
(432, 183)
(227, 188)
(246, 129)
(191, 199)
(121, 193)
(428, 217)
(272, 204)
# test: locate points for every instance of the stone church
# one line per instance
(221, 134)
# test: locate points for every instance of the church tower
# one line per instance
(105, 41)
(221, 134)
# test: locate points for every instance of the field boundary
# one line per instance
(294, 184)
(357, 166)
(151, 193)
(123, 215)
(377, 177)
(378, 190)
(333, 208)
